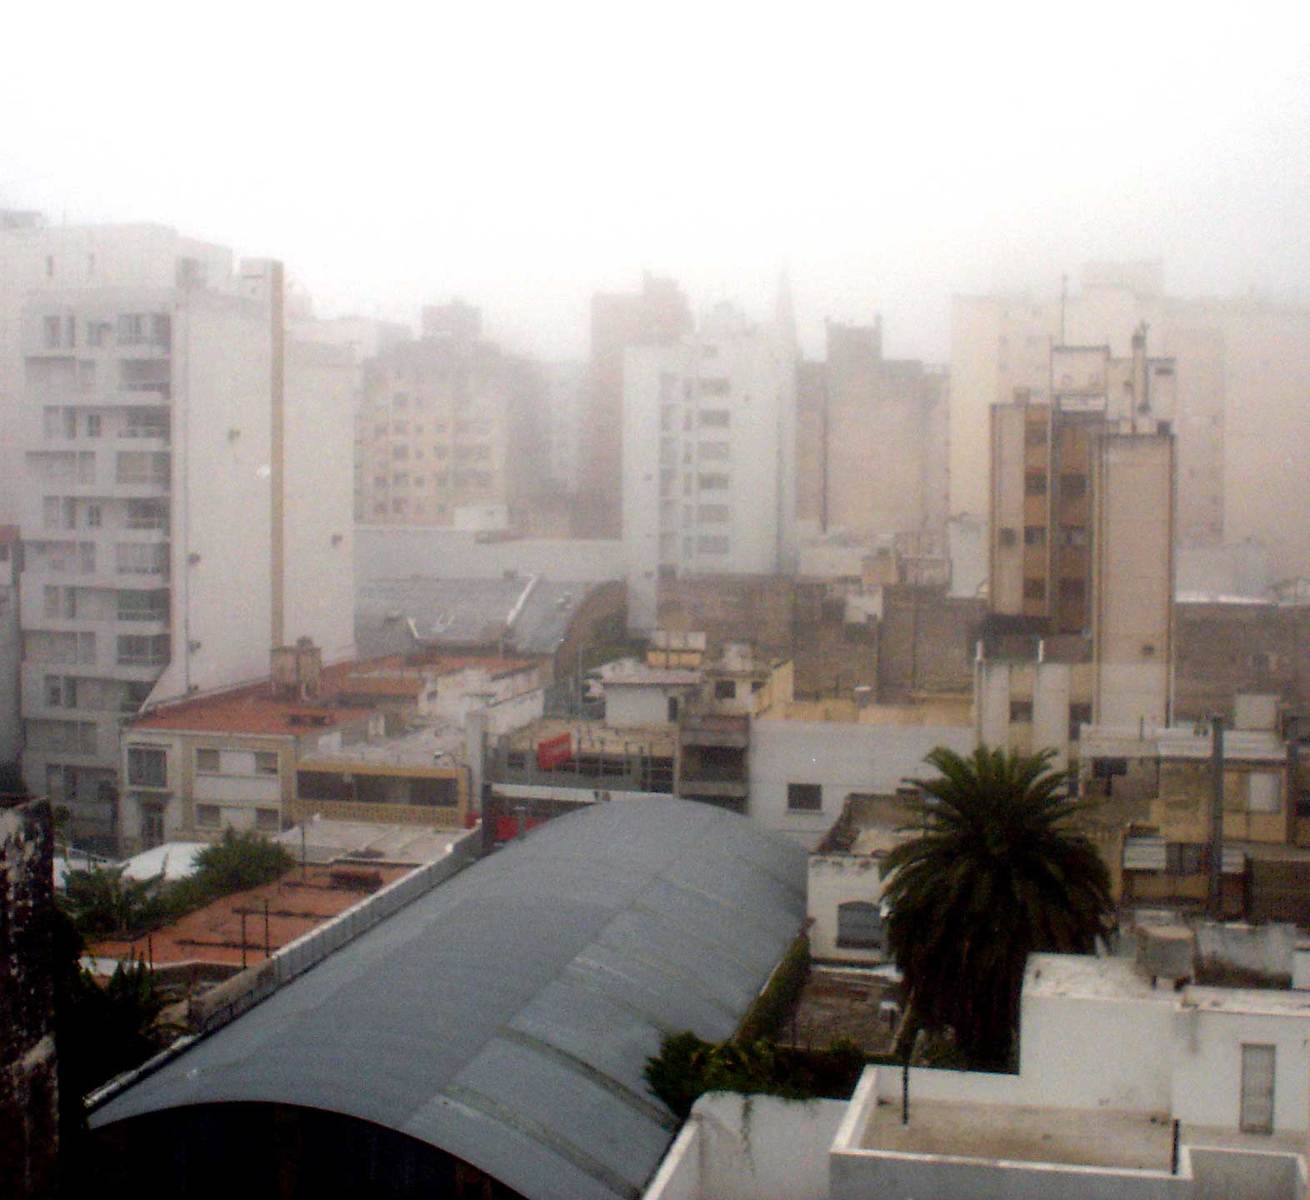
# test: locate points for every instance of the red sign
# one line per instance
(554, 752)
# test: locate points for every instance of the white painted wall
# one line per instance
(842, 757)
(1207, 1065)
(833, 880)
(750, 1148)
(318, 464)
(632, 706)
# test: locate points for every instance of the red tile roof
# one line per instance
(296, 904)
(254, 709)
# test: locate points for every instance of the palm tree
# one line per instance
(996, 873)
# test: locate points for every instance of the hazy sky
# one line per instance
(523, 156)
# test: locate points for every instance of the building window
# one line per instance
(1034, 483)
(725, 689)
(1262, 792)
(1021, 712)
(147, 767)
(138, 650)
(1035, 435)
(712, 544)
(208, 816)
(1072, 591)
(1074, 535)
(1073, 487)
(1079, 715)
(1034, 589)
(712, 483)
(713, 514)
(716, 386)
(266, 762)
(207, 762)
(268, 820)
(1006, 536)
(804, 797)
(1034, 535)
(1185, 858)
(714, 418)
(859, 925)
(142, 606)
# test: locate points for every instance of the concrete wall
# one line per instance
(1225, 649)
(750, 1148)
(1133, 579)
(835, 879)
(318, 451)
(1207, 1065)
(842, 758)
(632, 707)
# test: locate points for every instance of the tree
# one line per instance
(104, 901)
(997, 872)
(240, 861)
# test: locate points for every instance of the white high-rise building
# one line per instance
(163, 446)
(709, 457)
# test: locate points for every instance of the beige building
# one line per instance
(446, 430)
(1241, 424)
(870, 439)
(1082, 553)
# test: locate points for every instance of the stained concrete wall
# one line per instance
(750, 1148)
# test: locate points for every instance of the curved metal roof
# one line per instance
(506, 1016)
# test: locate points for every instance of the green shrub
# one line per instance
(687, 1067)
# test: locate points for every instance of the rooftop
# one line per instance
(595, 737)
(297, 903)
(529, 614)
(440, 745)
(1023, 1133)
(371, 841)
(256, 709)
(505, 1017)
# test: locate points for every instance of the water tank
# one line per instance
(1165, 951)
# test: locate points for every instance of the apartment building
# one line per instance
(1242, 371)
(871, 438)
(709, 449)
(447, 430)
(168, 536)
(656, 315)
(1082, 528)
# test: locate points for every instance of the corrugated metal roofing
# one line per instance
(464, 612)
(506, 1016)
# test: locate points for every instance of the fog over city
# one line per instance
(654, 602)
(523, 156)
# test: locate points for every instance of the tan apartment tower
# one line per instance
(1082, 534)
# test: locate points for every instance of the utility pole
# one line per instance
(1216, 816)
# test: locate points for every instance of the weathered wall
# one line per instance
(1223, 649)
(728, 607)
(926, 642)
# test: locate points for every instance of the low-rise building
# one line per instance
(381, 740)
(1127, 1086)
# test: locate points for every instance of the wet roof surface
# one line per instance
(506, 1016)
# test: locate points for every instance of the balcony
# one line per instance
(584, 772)
(715, 730)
